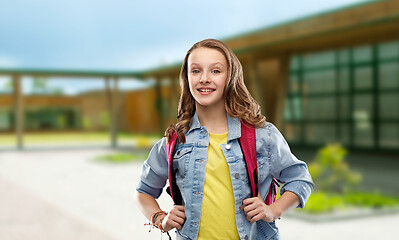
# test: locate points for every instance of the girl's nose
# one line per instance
(204, 78)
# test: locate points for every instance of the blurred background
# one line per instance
(87, 87)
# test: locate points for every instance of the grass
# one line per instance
(122, 157)
(321, 202)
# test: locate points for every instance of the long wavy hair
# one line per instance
(239, 102)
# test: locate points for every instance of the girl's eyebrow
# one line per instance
(194, 64)
(212, 64)
(217, 63)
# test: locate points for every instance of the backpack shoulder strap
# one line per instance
(173, 189)
(248, 146)
(272, 195)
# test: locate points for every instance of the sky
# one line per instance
(129, 34)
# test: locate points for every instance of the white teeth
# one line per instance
(205, 90)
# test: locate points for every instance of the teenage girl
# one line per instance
(209, 164)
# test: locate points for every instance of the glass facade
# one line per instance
(51, 119)
(42, 119)
(350, 96)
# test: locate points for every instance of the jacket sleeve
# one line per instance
(293, 173)
(154, 172)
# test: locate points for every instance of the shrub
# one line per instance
(370, 200)
(320, 202)
(330, 171)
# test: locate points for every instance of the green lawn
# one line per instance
(123, 157)
(72, 137)
(321, 202)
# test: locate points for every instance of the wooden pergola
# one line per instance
(264, 54)
(111, 83)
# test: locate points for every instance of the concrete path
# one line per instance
(26, 216)
(51, 195)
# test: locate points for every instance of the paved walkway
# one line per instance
(51, 195)
(26, 216)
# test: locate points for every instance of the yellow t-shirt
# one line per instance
(217, 216)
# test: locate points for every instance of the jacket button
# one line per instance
(228, 146)
(246, 237)
(237, 175)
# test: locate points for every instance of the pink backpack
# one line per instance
(248, 146)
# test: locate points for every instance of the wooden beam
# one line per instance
(108, 94)
(19, 110)
(253, 81)
(114, 116)
(159, 105)
(173, 98)
(69, 73)
(112, 96)
(282, 82)
(274, 78)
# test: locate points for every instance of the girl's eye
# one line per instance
(195, 71)
(215, 71)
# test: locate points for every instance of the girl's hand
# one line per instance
(174, 219)
(255, 209)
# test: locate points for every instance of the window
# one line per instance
(388, 50)
(388, 75)
(347, 95)
(363, 77)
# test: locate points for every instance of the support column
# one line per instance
(284, 68)
(173, 99)
(158, 105)
(112, 95)
(115, 113)
(275, 79)
(253, 81)
(19, 110)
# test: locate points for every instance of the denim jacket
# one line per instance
(274, 160)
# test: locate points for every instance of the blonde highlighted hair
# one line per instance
(239, 102)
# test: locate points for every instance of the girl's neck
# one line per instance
(213, 118)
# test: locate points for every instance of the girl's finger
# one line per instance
(178, 217)
(248, 201)
(179, 220)
(179, 207)
(173, 224)
(178, 214)
(255, 218)
(252, 213)
(249, 208)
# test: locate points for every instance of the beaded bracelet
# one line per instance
(159, 225)
(155, 215)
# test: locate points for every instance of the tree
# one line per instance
(7, 86)
(39, 85)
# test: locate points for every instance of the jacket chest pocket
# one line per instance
(181, 160)
(263, 169)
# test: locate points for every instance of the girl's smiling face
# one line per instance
(207, 72)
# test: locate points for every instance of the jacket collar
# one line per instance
(194, 123)
(234, 125)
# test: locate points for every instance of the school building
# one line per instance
(330, 77)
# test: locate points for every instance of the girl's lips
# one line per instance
(205, 91)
